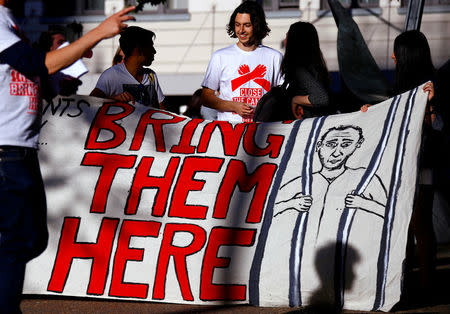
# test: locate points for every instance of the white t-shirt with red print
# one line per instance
(20, 114)
(243, 76)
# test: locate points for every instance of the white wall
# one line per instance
(184, 43)
(206, 5)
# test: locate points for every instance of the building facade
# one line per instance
(188, 31)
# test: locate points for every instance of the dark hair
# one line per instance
(194, 106)
(135, 37)
(257, 17)
(414, 65)
(118, 58)
(303, 50)
(45, 41)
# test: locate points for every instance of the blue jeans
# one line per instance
(23, 221)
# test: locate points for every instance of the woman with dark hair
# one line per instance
(305, 71)
(413, 67)
(119, 57)
(413, 64)
(306, 88)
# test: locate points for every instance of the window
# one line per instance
(170, 6)
(430, 6)
(353, 4)
(94, 5)
(404, 3)
(58, 8)
(280, 4)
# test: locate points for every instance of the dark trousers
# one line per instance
(23, 221)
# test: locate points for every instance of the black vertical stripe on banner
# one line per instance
(347, 216)
(379, 151)
(309, 154)
(383, 256)
(298, 235)
(294, 280)
(255, 269)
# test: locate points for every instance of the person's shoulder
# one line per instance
(303, 73)
(5, 14)
(114, 68)
(8, 27)
(149, 71)
(151, 74)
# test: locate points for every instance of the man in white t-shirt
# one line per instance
(132, 80)
(23, 219)
(243, 72)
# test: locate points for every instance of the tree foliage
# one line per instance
(140, 3)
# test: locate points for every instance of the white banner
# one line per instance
(148, 205)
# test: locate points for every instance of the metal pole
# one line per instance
(414, 15)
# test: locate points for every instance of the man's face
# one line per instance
(58, 40)
(337, 147)
(244, 29)
(148, 53)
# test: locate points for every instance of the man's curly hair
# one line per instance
(257, 17)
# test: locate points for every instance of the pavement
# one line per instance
(433, 300)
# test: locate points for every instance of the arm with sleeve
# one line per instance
(212, 76)
(26, 60)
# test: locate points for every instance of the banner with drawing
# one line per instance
(148, 205)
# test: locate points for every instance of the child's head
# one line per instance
(137, 37)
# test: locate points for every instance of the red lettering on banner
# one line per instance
(124, 253)
(273, 149)
(99, 252)
(142, 180)
(237, 175)
(157, 125)
(187, 183)
(105, 121)
(179, 255)
(109, 164)
(222, 237)
(231, 136)
(184, 146)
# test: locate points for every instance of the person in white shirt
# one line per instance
(245, 71)
(23, 218)
(132, 80)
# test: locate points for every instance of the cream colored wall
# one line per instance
(184, 47)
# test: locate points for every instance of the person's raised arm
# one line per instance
(60, 58)
(209, 99)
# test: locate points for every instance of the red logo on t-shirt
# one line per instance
(250, 96)
(257, 75)
(21, 86)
